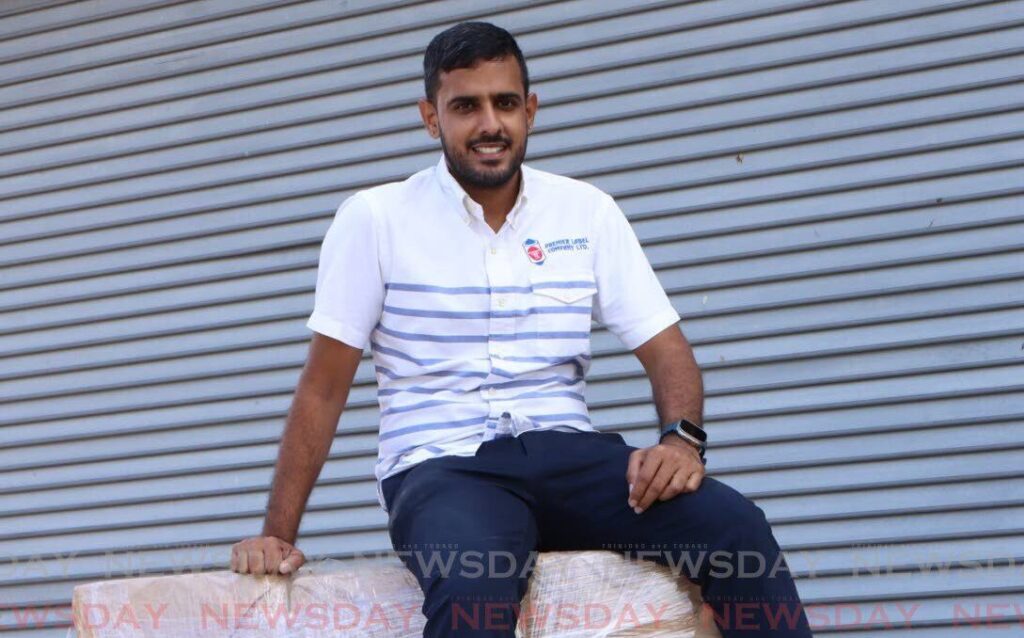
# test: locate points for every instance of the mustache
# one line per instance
(492, 140)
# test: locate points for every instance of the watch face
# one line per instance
(693, 430)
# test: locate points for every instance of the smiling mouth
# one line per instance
(489, 151)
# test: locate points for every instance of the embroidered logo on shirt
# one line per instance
(571, 244)
(534, 251)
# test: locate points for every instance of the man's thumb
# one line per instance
(292, 562)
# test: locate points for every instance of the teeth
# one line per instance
(489, 149)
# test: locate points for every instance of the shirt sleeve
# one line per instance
(349, 286)
(630, 302)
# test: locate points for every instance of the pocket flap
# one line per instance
(567, 287)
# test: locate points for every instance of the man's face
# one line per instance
(482, 119)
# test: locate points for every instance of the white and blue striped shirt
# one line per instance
(477, 334)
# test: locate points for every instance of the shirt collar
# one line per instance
(468, 208)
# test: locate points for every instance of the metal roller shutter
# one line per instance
(830, 191)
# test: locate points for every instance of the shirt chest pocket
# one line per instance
(563, 302)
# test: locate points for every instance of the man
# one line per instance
(474, 282)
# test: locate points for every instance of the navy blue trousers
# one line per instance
(469, 528)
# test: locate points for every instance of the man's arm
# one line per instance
(347, 304)
(667, 469)
(633, 305)
(675, 377)
(312, 421)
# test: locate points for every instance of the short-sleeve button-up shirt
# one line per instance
(478, 334)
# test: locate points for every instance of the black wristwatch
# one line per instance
(690, 432)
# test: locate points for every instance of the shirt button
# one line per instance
(490, 391)
(501, 302)
(494, 251)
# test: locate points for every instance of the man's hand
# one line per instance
(265, 555)
(662, 472)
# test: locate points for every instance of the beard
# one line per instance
(461, 165)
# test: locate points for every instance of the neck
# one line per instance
(498, 201)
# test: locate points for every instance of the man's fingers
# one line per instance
(658, 483)
(694, 481)
(273, 554)
(642, 478)
(265, 555)
(636, 459)
(256, 562)
(675, 487)
(648, 470)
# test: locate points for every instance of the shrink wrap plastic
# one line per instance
(591, 594)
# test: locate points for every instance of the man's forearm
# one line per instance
(305, 444)
(675, 377)
(679, 392)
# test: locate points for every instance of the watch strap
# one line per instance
(687, 426)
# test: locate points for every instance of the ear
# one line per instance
(531, 110)
(429, 116)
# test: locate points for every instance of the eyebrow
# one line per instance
(472, 98)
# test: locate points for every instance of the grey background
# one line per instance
(830, 191)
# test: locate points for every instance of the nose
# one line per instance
(490, 123)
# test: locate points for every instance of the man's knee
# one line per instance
(748, 516)
(733, 515)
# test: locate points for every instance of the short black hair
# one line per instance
(465, 44)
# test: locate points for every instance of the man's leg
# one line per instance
(715, 536)
(469, 538)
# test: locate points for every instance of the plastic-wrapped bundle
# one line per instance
(593, 594)
(324, 598)
(602, 594)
